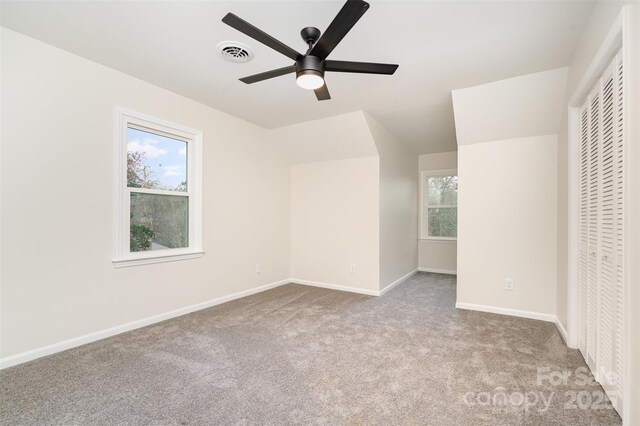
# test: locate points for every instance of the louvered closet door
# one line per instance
(601, 268)
(619, 347)
(584, 231)
(606, 233)
(592, 230)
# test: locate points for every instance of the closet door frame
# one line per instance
(624, 35)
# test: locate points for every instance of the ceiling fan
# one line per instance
(311, 66)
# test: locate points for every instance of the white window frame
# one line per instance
(424, 203)
(122, 257)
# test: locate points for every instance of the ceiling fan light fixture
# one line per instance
(310, 79)
(311, 66)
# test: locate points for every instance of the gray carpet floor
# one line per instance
(304, 355)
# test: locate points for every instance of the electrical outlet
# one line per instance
(258, 268)
(508, 285)
(352, 269)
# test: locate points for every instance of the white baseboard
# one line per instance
(92, 337)
(335, 287)
(506, 311)
(562, 330)
(396, 282)
(438, 271)
(103, 334)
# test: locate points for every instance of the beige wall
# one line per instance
(398, 205)
(57, 203)
(335, 223)
(58, 281)
(336, 172)
(435, 255)
(561, 243)
(439, 161)
(507, 223)
(438, 256)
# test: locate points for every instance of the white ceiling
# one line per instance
(439, 45)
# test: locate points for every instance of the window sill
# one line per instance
(136, 261)
(439, 240)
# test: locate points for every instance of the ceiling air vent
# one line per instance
(234, 51)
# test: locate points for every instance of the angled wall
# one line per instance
(398, 205)
(334, 202)
(334, 138)
(340, 166)
(529, 105)
(507, 170)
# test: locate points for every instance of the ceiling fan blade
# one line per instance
(268, 74)
(322, 93)
(350, 13)
(259, 35)
(360, 67)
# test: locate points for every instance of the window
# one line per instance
(439, 195)
(158, 202)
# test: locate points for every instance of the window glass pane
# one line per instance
(443, 190)
(155, 162)
(443, 222)
(158, 222)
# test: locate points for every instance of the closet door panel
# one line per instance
(601, 279)
(606, 233)
(619, 295)
(592, 214)
(584, 228)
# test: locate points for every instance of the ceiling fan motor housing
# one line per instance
(310, 65)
